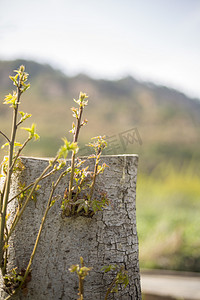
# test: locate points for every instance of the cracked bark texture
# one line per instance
(109, 237)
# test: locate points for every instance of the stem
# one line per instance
(38, 235)
(110, 288)
(78, 126)
(94, 177)
(28, 198)
(6, 255)
(80, 287)
(72, 175)
(80, 281)
(22, 191)
(2, 194)
(9, 173)
(78, 191)
(19, 151)
(30, 185)
(9, 297)
(1, 197)
(41, 227)
(5, 136)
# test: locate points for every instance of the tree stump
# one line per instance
(109, 237)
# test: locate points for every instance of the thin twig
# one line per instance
(110, 288)
(9, 173)
(19, 151)
(28, 198)
(5, 136)
(30, 185)
(78, 126)
(41, 227)
(94, 177)
(38, 235)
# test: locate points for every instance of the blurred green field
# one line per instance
(168, 218)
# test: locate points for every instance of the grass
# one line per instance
(168, 206)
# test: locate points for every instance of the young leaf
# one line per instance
(68, 146)
(11, 99)
(4, 145)
(17, 144)
(14, 79)
(24, 116)
(80, 207)
(32, 133)
(108, 268)
(74, 268)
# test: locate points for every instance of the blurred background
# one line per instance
(139, 62)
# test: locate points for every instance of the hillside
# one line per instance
(167, 121)
(162, 125)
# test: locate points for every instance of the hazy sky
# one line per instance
(154, 40)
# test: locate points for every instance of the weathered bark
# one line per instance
(109, 237)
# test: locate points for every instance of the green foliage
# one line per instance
(81, 101)
(168, 218)
(24, 192)
(120, 277)
(11, 99)
(20, 78)
(24, 116)
(12, 164)
(82, 272)
(78, 197)
(98, 144)
(32, 133)
(64, 150)
(12, 280)
(77, 200)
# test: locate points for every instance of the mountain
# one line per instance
(157, 122)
